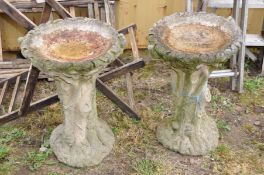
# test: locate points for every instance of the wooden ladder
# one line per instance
(249, 40)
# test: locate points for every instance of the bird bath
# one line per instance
(73, 52)
(193, 44)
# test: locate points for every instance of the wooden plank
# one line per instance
(1, 50)
(129, 86)
(233, 66)
(254, 40)
(202, 5)
(16, 15)
(3, 92)
(90, 11)
(112, 13)
(72, 11)
(103, 14)
(6, 76)
(29, 89)
(14, 94)
(262, 30)
(62, 12)
(262, 59)
(115, 99)
(14, 66)
(251, 55)
(107, 11)
(12, 79)
(122, 70)
(233, 61)
(189, 6)
(33, 4)
(235, 12)
(125, 29)
(262, 51)
(242, 51)
(96, 10)
(33, 107)
(130, 92)
(11, 71)
(45, 16)
(128, 75)
(229, 4)
(16, 61)
(133, 42)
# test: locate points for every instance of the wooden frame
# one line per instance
(33, 72)
(242, 51)
(255, 40)
(236, 73)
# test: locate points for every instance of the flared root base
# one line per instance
(90, 151)
(196, 138)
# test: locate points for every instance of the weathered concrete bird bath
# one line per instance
(193, 44)
(73, 52)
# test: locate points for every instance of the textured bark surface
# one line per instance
(83, 139)
(190, 130)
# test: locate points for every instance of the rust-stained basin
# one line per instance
(195, 37)
(199, 38)
(73, 44)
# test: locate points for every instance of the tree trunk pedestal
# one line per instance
(190, 130)
(83, 139)
(74, 51)
(193, 44)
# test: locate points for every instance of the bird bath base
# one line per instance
(83, 139)
(73, 52)
(190, 131)
(192, 43)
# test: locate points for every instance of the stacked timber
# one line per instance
(12, 68)
(37, 5)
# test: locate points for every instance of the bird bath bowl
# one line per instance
(73, 52)
(193, 44)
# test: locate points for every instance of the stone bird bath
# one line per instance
(193, 44)
(73, 52)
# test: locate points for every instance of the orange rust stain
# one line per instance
(196, 38)
(74, 45)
